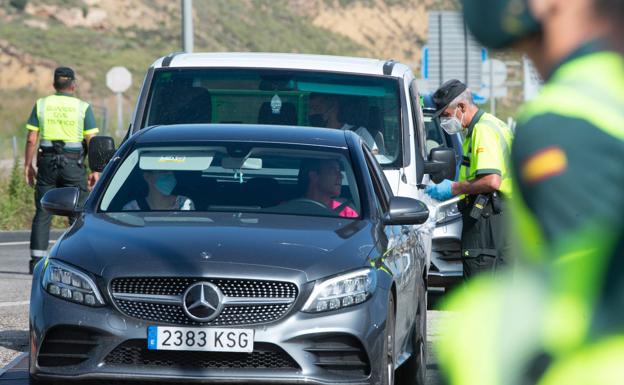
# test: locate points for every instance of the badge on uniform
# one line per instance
(544, 164)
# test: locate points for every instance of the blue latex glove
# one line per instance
(440, 191)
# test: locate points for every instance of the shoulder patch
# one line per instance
(544, 164)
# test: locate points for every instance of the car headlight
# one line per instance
(342, 291)
(70, 284)
(447, 213)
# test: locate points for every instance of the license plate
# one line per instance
(200, 339)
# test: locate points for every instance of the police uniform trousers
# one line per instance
(485, 241)
(55, 169)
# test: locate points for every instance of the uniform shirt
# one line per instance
(487, 147)
(63, 119)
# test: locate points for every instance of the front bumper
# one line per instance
(299, 339)
(446, 265)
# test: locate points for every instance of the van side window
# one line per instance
(417, 117)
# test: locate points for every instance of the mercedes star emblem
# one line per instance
(202, 301)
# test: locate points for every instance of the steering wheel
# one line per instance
(310, 201)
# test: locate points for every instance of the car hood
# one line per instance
(216, 244)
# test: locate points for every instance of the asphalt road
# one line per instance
(15, 291)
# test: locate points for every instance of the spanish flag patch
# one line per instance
(544, 164)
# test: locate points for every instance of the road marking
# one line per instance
(11, 364)
(14, 303)
(17, 243)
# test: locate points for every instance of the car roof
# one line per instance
(327, 137)
(355, 65)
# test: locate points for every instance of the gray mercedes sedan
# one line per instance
(233, 254)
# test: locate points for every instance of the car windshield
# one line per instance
(368, 105)
(235, 178)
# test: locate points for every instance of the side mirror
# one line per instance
(61, 201)
(441, 164)
(406, 211)
(101, 150)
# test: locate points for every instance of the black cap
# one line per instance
(63, 73)
(446, 94)
(500, 23)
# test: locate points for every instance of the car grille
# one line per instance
(264, 356)
(229, 287)
(64, 345)
(277, 298)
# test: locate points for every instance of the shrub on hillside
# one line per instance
(17, 202)
(19, 4)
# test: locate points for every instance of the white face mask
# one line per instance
(451, 124)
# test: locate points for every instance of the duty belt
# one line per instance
(61, 149)
(68, 145)
(496, 199)
(67, 154)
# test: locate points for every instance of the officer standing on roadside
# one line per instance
(63, 124)
(484, 178)
(559, 318)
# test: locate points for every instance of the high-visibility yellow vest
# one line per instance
(488, 149)
(61, 117)
(597, 364)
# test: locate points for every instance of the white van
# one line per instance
(377, 99)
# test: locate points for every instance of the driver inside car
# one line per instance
(321, 180)
(160, 185)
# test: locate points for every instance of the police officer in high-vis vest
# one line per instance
(558, 318)
(63, 125)
(484, 178)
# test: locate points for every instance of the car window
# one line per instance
(235, 178)
(368, 105)
(435, 136)
(387, 190)
(380, 183)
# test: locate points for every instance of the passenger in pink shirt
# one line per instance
(324, 182)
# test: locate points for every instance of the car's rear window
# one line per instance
(368, 105)
(235, 178)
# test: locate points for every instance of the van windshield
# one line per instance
(367, 105)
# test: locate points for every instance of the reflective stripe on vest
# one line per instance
(61, 118)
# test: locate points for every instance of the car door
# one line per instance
(404, 258)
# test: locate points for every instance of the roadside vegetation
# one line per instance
(17, 202)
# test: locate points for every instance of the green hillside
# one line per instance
(220, 25)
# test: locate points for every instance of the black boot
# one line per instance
(32, 263)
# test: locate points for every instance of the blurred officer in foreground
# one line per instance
(484, 178)
(558, 318)
(63, 124)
